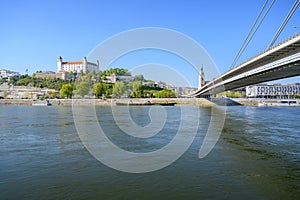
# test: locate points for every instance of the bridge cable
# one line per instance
(244, 43)
(251, 33)
(287, 18)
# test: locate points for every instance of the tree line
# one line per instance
(93, 84)
(86, 87)
(32, 81)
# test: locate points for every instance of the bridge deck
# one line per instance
(244, 74)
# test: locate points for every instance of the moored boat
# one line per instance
(284, 103)
(41, 103)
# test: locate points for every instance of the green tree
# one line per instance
(117, 71)
(297, 96)
(234, 94)
(66, 91)
(94, 75)
(24, 80)
(139, 78)
(165, 94)
(137, 89)
(53, 95)
(99, 75)
(118, 89)
(99, 89)
(12, 80)
(71, 73)
(108, 90)
(82, 88)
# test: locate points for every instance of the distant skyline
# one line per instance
(34, 33)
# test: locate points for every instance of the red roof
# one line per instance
(79, 62)
(75, 62)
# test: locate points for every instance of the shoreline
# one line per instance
(108, 102)
(202, 102)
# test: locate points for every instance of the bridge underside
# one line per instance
(278, 62)
(286, 71)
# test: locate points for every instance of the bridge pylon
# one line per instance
(201, 80)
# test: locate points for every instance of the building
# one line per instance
(273, 91)
(7, 74)
(77, 66)
(46, 74)
(49, 74)
(161, 85)
(65, 75)
(125, 79)
(24, 92)
(110, 79)
(114, 78)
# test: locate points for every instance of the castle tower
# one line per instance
(201, 78)
(84, 65)
(59, 64)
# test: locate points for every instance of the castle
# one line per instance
(77, 66)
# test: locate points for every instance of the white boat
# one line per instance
(284, 103)
(42, 103)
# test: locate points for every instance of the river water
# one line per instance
(257, 156)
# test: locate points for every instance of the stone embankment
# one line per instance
(107, 102)
(247, 102)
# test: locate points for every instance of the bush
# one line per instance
(66, 91)
(165, 94)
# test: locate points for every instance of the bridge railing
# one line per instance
(269, 49)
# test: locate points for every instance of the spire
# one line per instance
(201, 78)
(202, 73)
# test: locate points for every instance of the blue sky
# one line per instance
(34, 32)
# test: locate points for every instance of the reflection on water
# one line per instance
(257, 156)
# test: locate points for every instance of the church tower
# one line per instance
(201, 78)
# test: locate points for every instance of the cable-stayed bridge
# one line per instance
(280, 61)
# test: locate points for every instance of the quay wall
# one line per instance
(108, 102)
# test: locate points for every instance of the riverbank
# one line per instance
(107, 102)
(202, 102)
(246, 102)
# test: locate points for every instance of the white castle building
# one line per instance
(77, 66)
